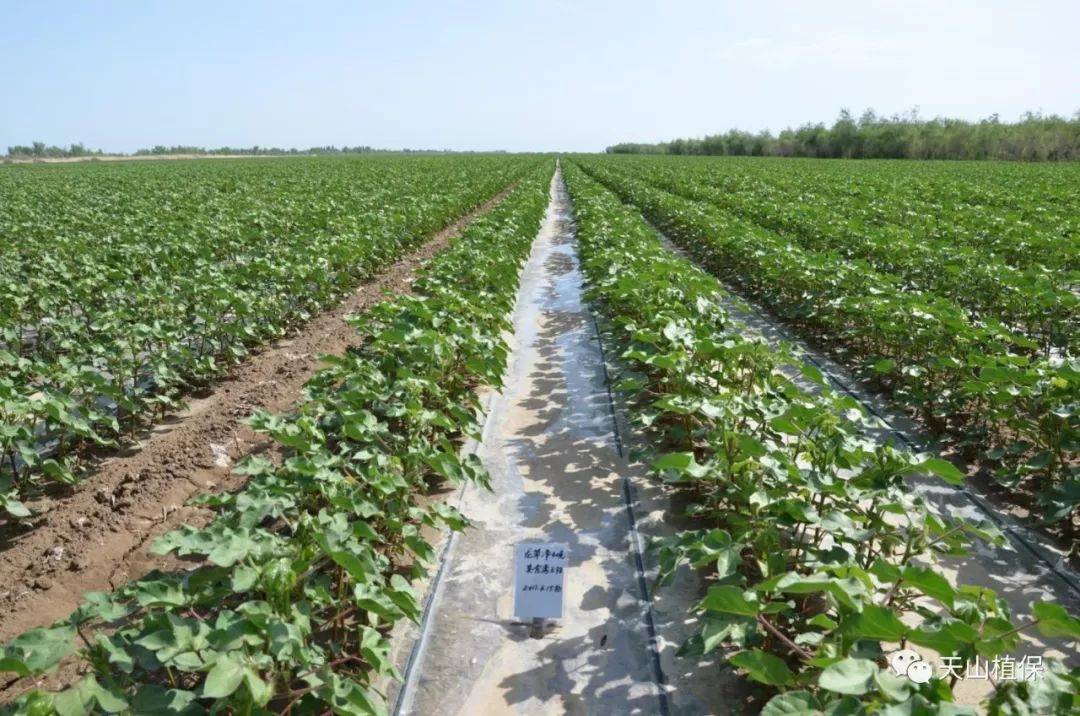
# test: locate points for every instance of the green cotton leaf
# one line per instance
(791, 703)
(160, 592)
(260, 691)
(885, 571)
(14, 665)
(943, 469)
(713, 634)
(252, 466)
(376, 601)
(680, 462)
(364, 531)
(1040, 461)
(727, 562)
(876, 622)
(795, 583)
(39, 650)
(58, 472)
(776, 608)
(949, 709)
(951, 638)
(763, 667)
(359, 569)
(785, 425)
(448, 465)
(1055, 621)
(812, 372)
(157, 640)
(243, 579)
(421, 548)
(918, 705)
(714, 546)
(119, 658)
(107, 701)
(86, 697)
(450, 516)
(13, 507)
(717, 630)
(348, 697)
(894, 687)
(231, 547)
(1059, 501)
(849, 592)
(730, 600)
(884, 365)
(803, 703)
(224, 678)
(930, 583)
(823, 621)
(376, 651)
(750, 446)
(154, 700)
(849, 676)
(102, 606)
(998, 636)
(74, 701)
(402, 594)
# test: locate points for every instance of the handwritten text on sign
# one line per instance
(540, 575)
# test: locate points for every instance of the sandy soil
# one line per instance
(97, 538)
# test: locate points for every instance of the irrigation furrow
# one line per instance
(558, 474)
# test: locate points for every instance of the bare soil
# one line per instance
(97, 538)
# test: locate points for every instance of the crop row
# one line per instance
(1027, 215)
(964, 379)
(819, 557)
(124, 286)
(1022, 212)
(305, 570)
(1038, 303)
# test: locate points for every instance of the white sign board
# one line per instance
(539, 580)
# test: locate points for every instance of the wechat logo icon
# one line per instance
(909, 663)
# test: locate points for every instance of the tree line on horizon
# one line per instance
(1035, 137)
(161, 149)
(39, 150)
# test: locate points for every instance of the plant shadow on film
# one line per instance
(567, 449)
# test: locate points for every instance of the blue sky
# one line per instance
(512, 75)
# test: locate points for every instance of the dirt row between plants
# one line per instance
(98, 538)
